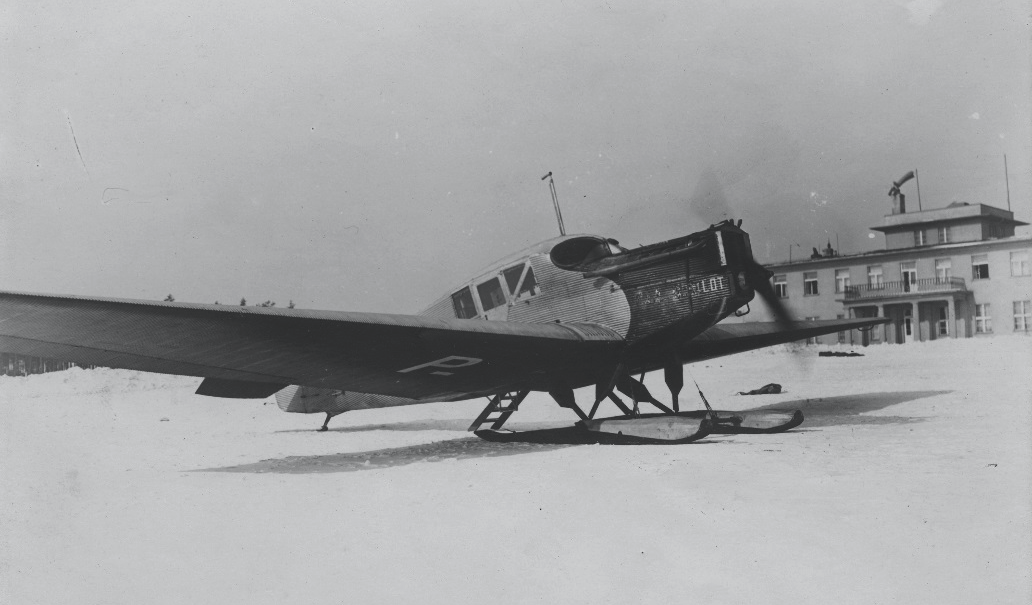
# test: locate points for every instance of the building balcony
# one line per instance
(900, 289)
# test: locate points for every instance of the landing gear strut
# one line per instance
(670, 426)
(326, 423)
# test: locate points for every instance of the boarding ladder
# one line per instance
(502, 406)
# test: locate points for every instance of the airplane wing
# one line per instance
(729, 338)
(254, 351)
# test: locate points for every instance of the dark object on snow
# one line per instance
(839, 354)
(767, 389)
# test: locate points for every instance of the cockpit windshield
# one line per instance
(512, 277)
(529, 286)
(517, 288)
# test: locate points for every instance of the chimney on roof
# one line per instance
(829, 251)
(899, 203)
(899, 200)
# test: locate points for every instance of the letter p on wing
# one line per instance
(450, 362)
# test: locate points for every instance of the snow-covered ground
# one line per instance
(910, 482)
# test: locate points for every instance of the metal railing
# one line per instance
(901, 288)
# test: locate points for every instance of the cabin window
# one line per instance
(983, 319)
(980, 266)
(841, 280)
(1019, 263)
(491, 294)
(781, 286)
(810, 284)
(512, 278)
(529, 287)
(463, 303)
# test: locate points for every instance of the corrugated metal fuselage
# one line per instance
(677, 288)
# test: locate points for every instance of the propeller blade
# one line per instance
(759, 279)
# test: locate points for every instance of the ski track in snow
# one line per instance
(909, 482)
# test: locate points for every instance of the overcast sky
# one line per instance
(369, 157)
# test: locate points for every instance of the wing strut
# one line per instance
(637, 391)
(565, 399)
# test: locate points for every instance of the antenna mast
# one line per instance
(917, 178)
(555, 202)
(1006, 178)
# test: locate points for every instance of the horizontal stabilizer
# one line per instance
(238, 389)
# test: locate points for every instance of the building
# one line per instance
(952, 272)
(22, 365)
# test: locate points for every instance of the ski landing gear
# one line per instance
(759, 421)
(670, 426)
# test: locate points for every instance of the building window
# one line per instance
(944, 321)
(943, 270)
(908, 271)
(944, 235)
(462, 301)
(1019, 263)
(875, 278)
(980, 266)
(919, 238)
(983, 320)
(1022, 315)
(841, 335)
(781, 286)
(841, 280)
(813, 339)
(810, 284)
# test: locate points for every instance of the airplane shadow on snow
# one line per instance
(819, 412)
(429, 424)
(851, 409)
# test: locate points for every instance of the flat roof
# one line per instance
(954, 212)
(845, 258)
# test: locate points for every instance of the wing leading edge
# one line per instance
(399, 355)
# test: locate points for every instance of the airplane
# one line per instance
(570, 312)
